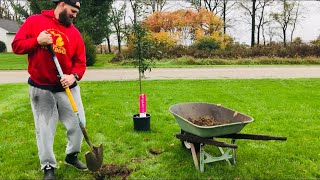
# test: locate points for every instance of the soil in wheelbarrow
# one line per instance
(206, 121)
(112, 171)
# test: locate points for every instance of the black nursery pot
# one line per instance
(141, 123)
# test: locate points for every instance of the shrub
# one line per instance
(118, 57)
(2, 46)
(207, 43)
(90, 50)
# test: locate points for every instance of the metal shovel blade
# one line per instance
(94, 158)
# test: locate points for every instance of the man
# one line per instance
(49, 101)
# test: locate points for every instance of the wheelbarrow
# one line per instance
(201, 123)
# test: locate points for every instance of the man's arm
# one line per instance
(79, 61)
(25, 41)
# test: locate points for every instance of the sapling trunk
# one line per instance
(142, 97)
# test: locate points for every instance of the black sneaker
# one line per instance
(72, 159)
(48, 173)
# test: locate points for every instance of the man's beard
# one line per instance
(65, 19)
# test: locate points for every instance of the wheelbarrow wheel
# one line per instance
(186, 144)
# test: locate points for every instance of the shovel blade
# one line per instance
(94, 158)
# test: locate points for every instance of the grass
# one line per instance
(281, 107)
(10, 61)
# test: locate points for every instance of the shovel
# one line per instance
(94, 158)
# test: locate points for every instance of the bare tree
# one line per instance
(250, 9)
(225, 8)
(117, 16)
(220, 7)
(21, 9)
(155, 5)
(298, 13)
(210, 5)
(288, 17)
(138, 9)
(261, 8)
(4, 10)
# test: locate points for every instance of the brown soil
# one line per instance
(108, 171)
(206, 121)
(155, 151)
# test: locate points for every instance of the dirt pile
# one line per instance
(108, 171)
(206, 121)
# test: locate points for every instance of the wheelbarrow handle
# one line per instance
(196, 139)
(254, 137)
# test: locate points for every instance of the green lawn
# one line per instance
(280, 107)
(10, 61)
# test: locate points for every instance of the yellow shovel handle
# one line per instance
(70, 97)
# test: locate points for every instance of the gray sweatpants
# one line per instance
(49, 107)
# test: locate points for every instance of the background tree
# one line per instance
(5, 10)
(220, 7)
(287, 17)
(297, 16)
(260, 15)
(109, 32)
(91, 22)
(250, 9)
(225, 9)
(93, 19)
(155, 5)
(37, 6)
(181, 22)
(20, 11)
(210, 5)
(118, 18)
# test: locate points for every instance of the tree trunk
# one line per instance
(284, 37)
(119, 43)
(224, 16)
(109, 44)
(253, 25)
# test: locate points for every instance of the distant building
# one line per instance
(8, 30)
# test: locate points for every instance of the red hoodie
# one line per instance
(67, 44)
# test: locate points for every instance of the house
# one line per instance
(8, 30)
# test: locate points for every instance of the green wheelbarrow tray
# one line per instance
(230, 121)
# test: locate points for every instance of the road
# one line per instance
(239, 72)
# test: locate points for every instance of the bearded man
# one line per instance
(48, 99)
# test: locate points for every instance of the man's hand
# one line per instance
(67, 80)
(44, 38)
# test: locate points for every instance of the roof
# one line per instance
(9, 25)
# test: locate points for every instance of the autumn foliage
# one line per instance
(186, 27)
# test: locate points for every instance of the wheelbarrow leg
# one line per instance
(201, 158)
(194, 156)
(234, 155)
